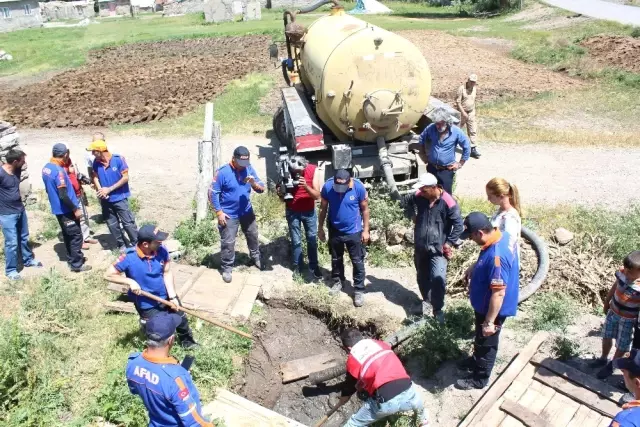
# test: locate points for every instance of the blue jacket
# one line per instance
(443, 153)
(230, 193)
(629, 416)
(167, 391)
(54, 177)
(111, 173)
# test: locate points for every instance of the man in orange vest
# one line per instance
(376, 373)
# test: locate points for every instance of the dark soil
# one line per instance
(137, 82)
(285, 335)
(615, 51)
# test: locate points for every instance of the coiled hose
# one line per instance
(395, 339)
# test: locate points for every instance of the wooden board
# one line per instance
(537, 397)
(577, 393)
(578, 377)
(240, 412)
(298, 369)
(120, 306)
(496, 390)
(585, 417)
(524, 415)
(559, 410)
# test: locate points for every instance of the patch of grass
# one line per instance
(435, 344)
(397, 420)
(50, 228)
(15, 344)
(552, 312)
(565, 348)
(269, 210)
(237, 109)
(197, 239)
(134, 204)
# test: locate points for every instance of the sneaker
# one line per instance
(316, 273)
(14, 276)
(337, 286)
(82, 269)
(439, 316)
(189, 344)
(475, 153)
(470, 383)
(226, 276)
(34, 263)
(358, 299)
(468, 364)
(598, 363)
(605, 372)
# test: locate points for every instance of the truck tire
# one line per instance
(280, 129)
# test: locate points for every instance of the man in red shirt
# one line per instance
(376, 373)
(70, 168)
(301, 211)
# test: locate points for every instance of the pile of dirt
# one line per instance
(137, 83)
(452, 59)
(284, 335)
(615, 51)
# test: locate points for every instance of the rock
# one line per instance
(374, 224)
(175, 255)
(251, 11)
(172, 245)
(563, 236)
(375, 236)
(408, 237)
(9, 141)
(395, 234)
(395, 249)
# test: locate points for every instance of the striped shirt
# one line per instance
(626, 298)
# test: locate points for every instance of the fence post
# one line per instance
(205, 164)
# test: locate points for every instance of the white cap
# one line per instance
(473, 77)
(426, 180)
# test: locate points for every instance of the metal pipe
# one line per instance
(387, 167)
(407, 182)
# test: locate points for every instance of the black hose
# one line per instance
(403, 334)
(285, 74)
(317, 5)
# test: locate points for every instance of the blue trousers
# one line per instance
(16, 235)
(372, 411)
(296, 221)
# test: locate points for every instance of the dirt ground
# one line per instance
(136, 83)
(286, 335)
(538, 16)
(452, 59)
(615, 51)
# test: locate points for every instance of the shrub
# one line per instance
(197, 239)
(134, 204)
(635, 33)
(115, 403)
(14, 363)
(565, 348)
(552, 312)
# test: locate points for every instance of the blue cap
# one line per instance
(341, 181)
(631, 363)
(59, 150)
(151, 233)
(162, 326)
(474, 222)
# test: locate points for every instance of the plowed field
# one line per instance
(136, 83)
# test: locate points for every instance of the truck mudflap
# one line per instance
(303, 130)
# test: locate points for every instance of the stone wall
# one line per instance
(57, 10)
(19, 18)
(9, 139)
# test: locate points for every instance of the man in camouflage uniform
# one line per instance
(466, 104)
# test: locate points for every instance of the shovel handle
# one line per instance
(195, 314)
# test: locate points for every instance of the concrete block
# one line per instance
(218, 11)
(252, 11)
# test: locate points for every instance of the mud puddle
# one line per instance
(287, 334)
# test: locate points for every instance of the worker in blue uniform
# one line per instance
(165, 386)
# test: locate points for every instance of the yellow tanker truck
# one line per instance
(355, 91)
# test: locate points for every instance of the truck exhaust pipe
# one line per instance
(387, 167)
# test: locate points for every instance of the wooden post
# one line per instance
(205, 164)
(217, 133)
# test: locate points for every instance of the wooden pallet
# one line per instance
(535, 391)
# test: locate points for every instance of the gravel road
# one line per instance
(163, 171)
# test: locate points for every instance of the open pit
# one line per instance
(284, 334)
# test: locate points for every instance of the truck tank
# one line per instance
(354, 90)
(367, 82)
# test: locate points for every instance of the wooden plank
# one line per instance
(577, 393)
(120, 306)
(560, 410)
(537, 397)
(494, 416)
(298, 369)
(506, 378)
(585, 417)
(188, 284)
(578, 377)
(606, 422)
(523, 414)
(243, 305)
(237, 411)
(115, 287)
(521, 383)
(509, 421)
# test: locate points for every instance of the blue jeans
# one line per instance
(310, 222)
(16, 233)
(372, 411)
